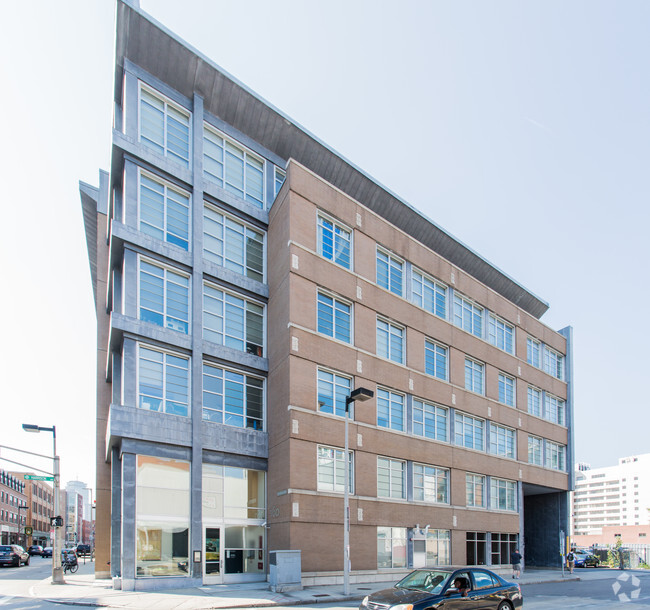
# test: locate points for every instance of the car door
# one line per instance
(455, 601)
(485, 590)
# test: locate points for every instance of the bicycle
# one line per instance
(70, 566)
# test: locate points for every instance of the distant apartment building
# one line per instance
(13, 509)
(78, 513)
(39, 497)
(612, 496)
(247, 279)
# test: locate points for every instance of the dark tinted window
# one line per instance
(5, 549)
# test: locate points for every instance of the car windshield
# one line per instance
(5, 549)
(431, 581)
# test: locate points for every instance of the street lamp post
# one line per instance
(360, 395)
(57, 571)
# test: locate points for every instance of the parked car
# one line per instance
(47, 552)
(83, 549)
(13, 555)
(68, 556)
(35, 549)
(585, 560)
(423, 589)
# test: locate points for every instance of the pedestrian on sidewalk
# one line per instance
(571, 561)
(515, 560)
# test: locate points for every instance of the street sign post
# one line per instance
(38, 477)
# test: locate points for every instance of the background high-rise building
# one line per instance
(247, 279)
(614, 495)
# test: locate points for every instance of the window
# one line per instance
(506, 390)
(474, 376)
(164, 212)
(334, 317)
(232, 398)
(468, 316)
(476, 548)
(389, 272)
(390, 410)
(435, 359)
(331, 470)
(469, 431)
(390, 341)
(334, 242)
(553, 363)
(533, 352)
(502, 547)
(232, 321)
(163, 381)
(235, 493)
(333, 390)
(501, 334)
(430, 484)
(233, 245)
(162, 501)
(429, 294)
(555, 457)
(475, 490)
(279, 177)
(554, 409)
(438, 548)
(233, 167)
(164, 127)
(535, 450)
(164, 297)
(502, 441)
(391, 547)
(430, 421)
(503, 494)
(391, 478)
(534, 401)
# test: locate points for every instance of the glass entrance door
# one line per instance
(212, 572)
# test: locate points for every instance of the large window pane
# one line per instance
(162, 516)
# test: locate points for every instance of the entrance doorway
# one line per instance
(212, 562)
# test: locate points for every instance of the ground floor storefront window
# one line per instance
(162, 516)
(391, 547)
(476, 548)
(502, 546)
(438, 548)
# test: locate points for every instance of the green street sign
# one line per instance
(38, 477)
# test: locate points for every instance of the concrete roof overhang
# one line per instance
(154, 48)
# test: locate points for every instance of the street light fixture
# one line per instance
(57, 572)
(360, 395)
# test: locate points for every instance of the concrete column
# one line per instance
(128, 520)
(116, 513)
(196, 513)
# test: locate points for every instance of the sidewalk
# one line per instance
(81, 589)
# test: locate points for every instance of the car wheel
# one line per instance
(27, 561)
(505, 606)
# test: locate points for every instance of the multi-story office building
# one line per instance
(247, 278)
(13, 508)
(614, 495)
(39, 497)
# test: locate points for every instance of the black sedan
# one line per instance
(448, 589)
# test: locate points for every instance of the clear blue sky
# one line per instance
(522, 128)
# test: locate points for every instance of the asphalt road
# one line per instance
(630, 591)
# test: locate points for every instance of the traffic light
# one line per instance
(56, 521)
